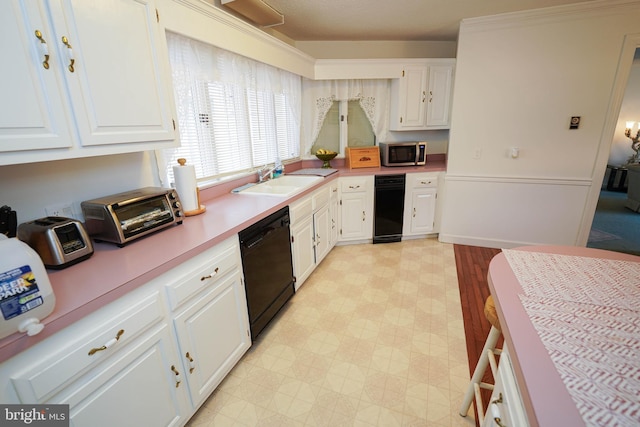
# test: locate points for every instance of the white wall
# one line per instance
(519, 79)
(29, 188)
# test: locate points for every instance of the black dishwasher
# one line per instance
(267, 266)
(389, 208)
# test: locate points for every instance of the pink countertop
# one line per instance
(545, 396)
(112, 272)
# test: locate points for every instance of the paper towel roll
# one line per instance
(186, 186)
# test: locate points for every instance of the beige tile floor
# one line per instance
(374, 337)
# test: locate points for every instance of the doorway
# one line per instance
(616, 227)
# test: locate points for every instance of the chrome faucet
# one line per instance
(262, 176)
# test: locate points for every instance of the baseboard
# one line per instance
(482, 242)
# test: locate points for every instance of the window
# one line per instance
(234, 114)
(335, 133)
(363, 103)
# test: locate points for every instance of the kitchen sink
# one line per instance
(284, 186)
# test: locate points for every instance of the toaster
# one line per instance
(59, 241)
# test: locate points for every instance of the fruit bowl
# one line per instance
(326, 158)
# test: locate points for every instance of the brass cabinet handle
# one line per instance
(108, 344)
(209, 276)
(425, 182)
(178, 377)
(364, 215)
(70, 53)
(414, 212)
(44, 49)
(192, 364)
(495, 411)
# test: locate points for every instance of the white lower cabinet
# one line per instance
(505, 408)
(334, 212)
(303, 250)
(312, 229)
(140, 385)
(356, 208)
(149, 358)
(212, 335)
(421, 190)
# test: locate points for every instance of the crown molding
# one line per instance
(552, 14)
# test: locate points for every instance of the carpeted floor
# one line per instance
(615, 227)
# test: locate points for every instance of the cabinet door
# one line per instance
(141, 385)
(411, 99)
(112, 68)
(506, 400)
(322, 228)
(353, 217)
(356, 208)
(333, 217)
(423, 208)
(302, 249)
(439, 102)
(213, 334)
(33, 112)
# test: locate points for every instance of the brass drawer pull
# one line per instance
(109, 343)
(192, 364)
(44, 49)
(209, 276)
(495, 411)
(72, 60)
(178, 377)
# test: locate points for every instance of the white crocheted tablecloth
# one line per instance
(587, 314)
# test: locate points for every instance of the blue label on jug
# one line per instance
(19, 292)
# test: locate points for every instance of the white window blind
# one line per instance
(234, 114)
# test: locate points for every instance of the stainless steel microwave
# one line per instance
(123, 217)
(403, 153)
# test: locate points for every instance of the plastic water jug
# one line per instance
(26, 296)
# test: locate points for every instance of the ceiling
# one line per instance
(414, 20)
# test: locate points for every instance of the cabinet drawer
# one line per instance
(420, 180)
(353, 185)
(38, 383)
(300, 209)
(209, 266)
(320, 198)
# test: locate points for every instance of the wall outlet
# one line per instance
(61, 209)
(477, 153)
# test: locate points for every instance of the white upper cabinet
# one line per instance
(104, 90)
(439, 95)
(34, 113)
(421, 97)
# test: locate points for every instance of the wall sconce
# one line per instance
(635, 142)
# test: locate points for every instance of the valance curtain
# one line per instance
(234, 113)
(318, 96)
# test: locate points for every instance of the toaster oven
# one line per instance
(123, 217)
